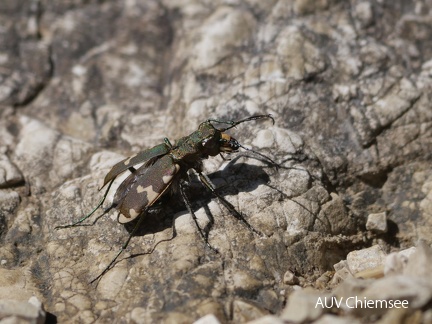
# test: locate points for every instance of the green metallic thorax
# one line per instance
(201, 144)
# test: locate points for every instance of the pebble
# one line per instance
(377, 222)
(301, 306)
(14, 311)
(369, 258)
(208, 319)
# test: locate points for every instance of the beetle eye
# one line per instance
(228, 144)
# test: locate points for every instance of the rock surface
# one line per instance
(84, 84)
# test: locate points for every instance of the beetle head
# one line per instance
(228, 144)
(216, 141)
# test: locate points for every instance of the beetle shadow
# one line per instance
(234, 178)
(159, 217)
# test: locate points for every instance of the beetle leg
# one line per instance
(207, 182)
(78, 222)
(124, 246)
(224, 158)
(189, 207)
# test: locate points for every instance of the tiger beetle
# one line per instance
(165, 170)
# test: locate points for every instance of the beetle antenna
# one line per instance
(258, 153)
(235, 123)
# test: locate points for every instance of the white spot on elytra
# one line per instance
(151, 194)
(124, 219)
(129, 160)
(166, 179)
(133, 213)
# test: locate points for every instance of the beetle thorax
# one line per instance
(201, 144)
